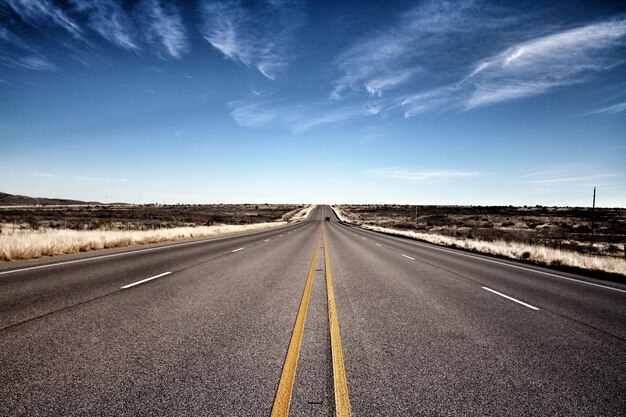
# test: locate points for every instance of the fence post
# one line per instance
(593, 216)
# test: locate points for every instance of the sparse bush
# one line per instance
(538, 254)
(131, 225)
(612, 249)
(583, 228)
(542, 230)
(216, 219)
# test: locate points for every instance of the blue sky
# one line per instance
(427, 102)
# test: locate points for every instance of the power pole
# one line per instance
(593, 215)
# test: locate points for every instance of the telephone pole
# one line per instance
(593, 215)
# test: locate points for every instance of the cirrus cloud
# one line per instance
(421, 176)
(258, 38)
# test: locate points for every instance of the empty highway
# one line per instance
(313, 318)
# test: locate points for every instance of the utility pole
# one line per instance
(593, 215)
(416, 217)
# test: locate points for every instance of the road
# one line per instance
(312, 318)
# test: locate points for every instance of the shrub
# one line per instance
(583, 228)
(612, 249)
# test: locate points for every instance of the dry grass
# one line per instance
(302, 214)
(563, 228)
(342, 216)
(534, 253)
(28, 244)
(143, 216)
(297, 214)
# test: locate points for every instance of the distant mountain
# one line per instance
(22, 200)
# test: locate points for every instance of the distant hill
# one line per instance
(22, 200)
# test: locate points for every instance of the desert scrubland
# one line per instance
(556, 236)
(35, 231)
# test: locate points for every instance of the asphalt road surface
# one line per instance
(312, 318)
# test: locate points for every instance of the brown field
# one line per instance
(545, 235)
(139, 217)
(35, 231)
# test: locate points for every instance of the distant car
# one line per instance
(327, 218)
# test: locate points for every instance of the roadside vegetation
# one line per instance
(556, 236)
(33, 232)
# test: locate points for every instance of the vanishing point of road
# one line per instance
(312, 318)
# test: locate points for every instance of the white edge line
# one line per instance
(237, 250)
(407, 256)
(145, 280)
(511, 298)
(443, 249)
(130, 252)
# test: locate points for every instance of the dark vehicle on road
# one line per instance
(327, 218)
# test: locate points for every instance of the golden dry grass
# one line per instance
(28, 244)
(298, 214)
(533, 253)
(342, 216)
(302, 214)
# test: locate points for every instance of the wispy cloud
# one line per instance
(9, 38)
(167, 28)
(614, 109)
(295, 117)
(378, 85)
(541, 64)
(529, 68)
(128, 26)
(577, 179)
(31, 62)
(78, 178)
(38, 12)
(257, 38)
(421, 176)
(17, 53)
(108, 19)
(419, 41)
(434, 45)
(538, 174)
(436, 98)
(329, 117)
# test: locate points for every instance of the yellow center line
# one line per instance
(287, 378)
(342, 400)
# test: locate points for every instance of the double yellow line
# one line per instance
(342, 401)
(287, 378)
